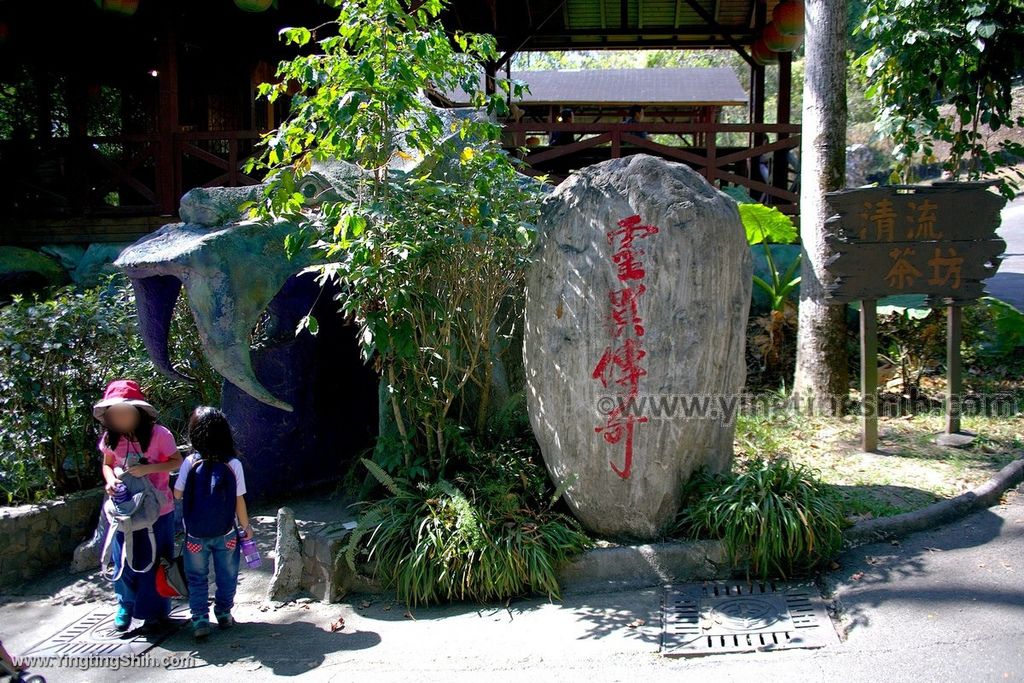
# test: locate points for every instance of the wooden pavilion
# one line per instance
(113, 116)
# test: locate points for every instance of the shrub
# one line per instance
(775, 513)
(56, 356)
(489, 535)
(426, 259)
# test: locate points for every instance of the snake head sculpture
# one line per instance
(232, 267)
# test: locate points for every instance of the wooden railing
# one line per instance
(145, 175)
(733, 164)
(134, 175)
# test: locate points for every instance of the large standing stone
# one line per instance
(287, 557)
(640, 290)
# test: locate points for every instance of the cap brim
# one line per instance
(100, 408)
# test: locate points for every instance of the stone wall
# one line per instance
(35, 538)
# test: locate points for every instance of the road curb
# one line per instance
(644, 566)
(634, 567)
(945, 511)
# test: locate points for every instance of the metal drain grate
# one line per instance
(95, 635)
(715, 618)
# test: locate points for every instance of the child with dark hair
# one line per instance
(211, 485)
(133, 442)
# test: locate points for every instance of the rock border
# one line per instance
(37, 537)
(652, 565)
(982, 496)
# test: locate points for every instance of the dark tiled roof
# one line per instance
(680, 86)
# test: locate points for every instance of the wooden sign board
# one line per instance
(935, 240)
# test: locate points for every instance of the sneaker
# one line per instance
(200, 627)
(123, 619)
(157, 625)
(224, 620)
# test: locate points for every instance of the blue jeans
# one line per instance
(226, 551)
(136, 591)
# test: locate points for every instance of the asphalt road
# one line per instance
(1008, 282)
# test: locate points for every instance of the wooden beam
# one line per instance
(780, 164)
(720, 30)
(664, 41)
(563, 150)
(167, 116)
(522, 40)
(687, 30)
(530, 127)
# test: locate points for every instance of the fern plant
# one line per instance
(775, 514)
(434, 543)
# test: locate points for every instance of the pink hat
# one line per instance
(123, 391)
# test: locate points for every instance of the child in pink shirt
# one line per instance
(135, 442)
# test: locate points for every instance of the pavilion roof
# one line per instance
(683, 87)
(588, 24)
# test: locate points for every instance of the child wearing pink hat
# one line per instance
(134, 442)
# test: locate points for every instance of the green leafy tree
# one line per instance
(941, 74)
(430, 246)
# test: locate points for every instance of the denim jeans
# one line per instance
(226, 552)
(136, 591)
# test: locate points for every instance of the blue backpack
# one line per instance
(208, 501)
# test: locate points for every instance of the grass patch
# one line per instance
(909, 473)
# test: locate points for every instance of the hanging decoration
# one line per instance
(777, 41)
(788, 17)
(253, 5)
(762, 54)
(124, 7)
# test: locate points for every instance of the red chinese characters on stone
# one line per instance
(619, 366)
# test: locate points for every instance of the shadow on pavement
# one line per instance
(946, 565)
(287, 649)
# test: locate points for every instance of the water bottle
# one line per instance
(121, 494)
(250, 551)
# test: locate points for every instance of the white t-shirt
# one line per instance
(186, 467)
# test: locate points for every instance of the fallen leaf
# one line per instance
(872, 560)
(834, 565)
(933, 550)
(337, 625)
(364, 604)
(636, 623)
(857, 577)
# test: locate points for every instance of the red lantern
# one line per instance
(253, 5)
(777, 42)
(788, 17)
(761, 54)
(125, 7)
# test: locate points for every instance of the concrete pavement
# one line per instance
(946, 604)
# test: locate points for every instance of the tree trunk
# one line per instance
(821, 358)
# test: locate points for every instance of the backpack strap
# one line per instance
(108, 542)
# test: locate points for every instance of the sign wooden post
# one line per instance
(868, 376)
(936, 240)
(954, 386)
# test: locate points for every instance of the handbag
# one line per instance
(170, 577)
